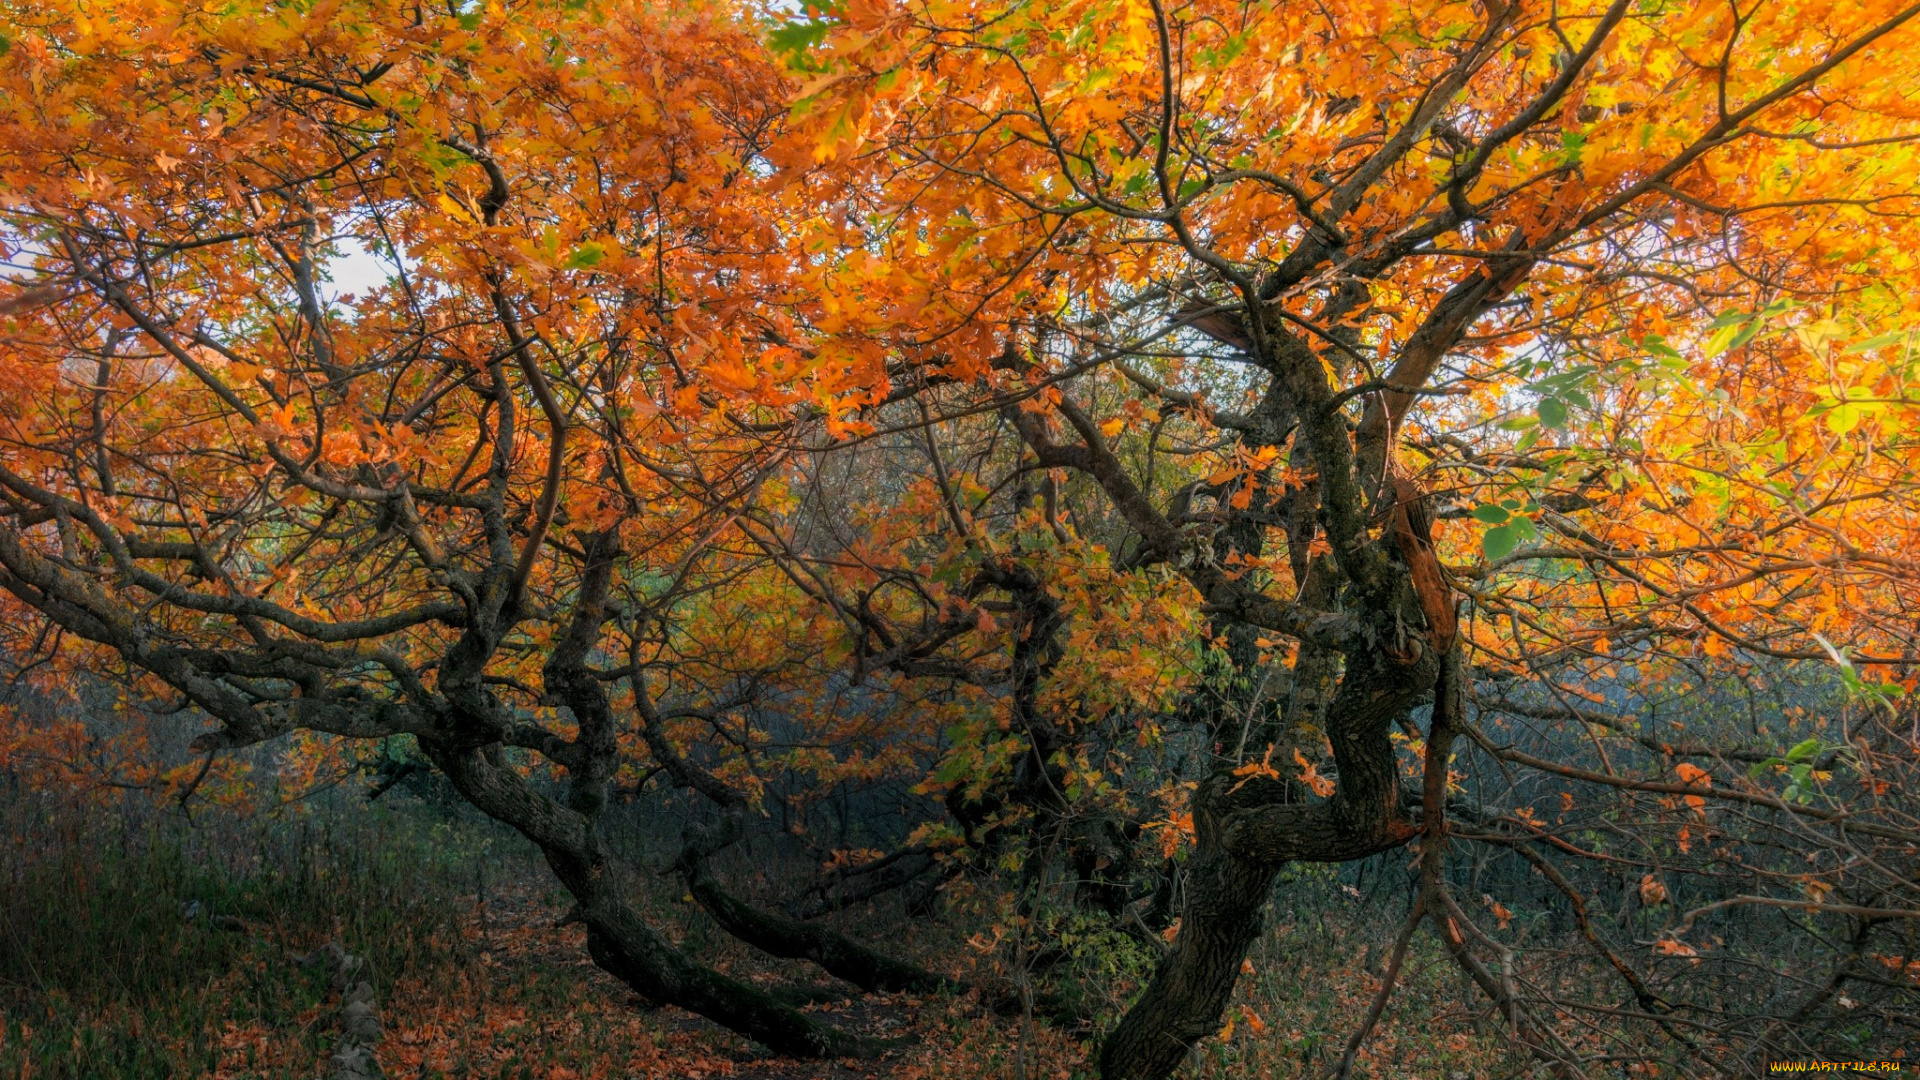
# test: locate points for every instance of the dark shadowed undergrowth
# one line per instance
(138, 942)
(145, 942)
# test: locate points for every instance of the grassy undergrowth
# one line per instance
(135, 942)
(141, 943)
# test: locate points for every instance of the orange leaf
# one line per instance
(1652, 891)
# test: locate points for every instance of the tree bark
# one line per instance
(792, 939)
(1189, 990)
(620, 941)
(1247, 829)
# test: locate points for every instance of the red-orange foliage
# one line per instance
(1059, 407)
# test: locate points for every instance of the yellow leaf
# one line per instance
(455, 209)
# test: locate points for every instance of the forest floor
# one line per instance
(143, 944)
(533, 1003)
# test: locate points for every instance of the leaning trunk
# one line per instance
(620, 941)
(792, 939)
(1184, 1001)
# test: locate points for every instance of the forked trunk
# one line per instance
(620, 941)
(1246, 828)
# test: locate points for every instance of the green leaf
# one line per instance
(795, 38)
(1722, 339)
(1553, 412)
(1572, 143)
(1499, 542)
(1657, 345)
(1804, 750)
(1492, 515)
(586, 256)
(1875, 342)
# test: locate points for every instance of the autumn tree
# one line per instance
(456, 505)
(1181, 441)
(1518, 348)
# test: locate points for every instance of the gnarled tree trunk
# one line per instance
(792, 939)
(1189, 991)
(1246, 830)
(620, 941)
